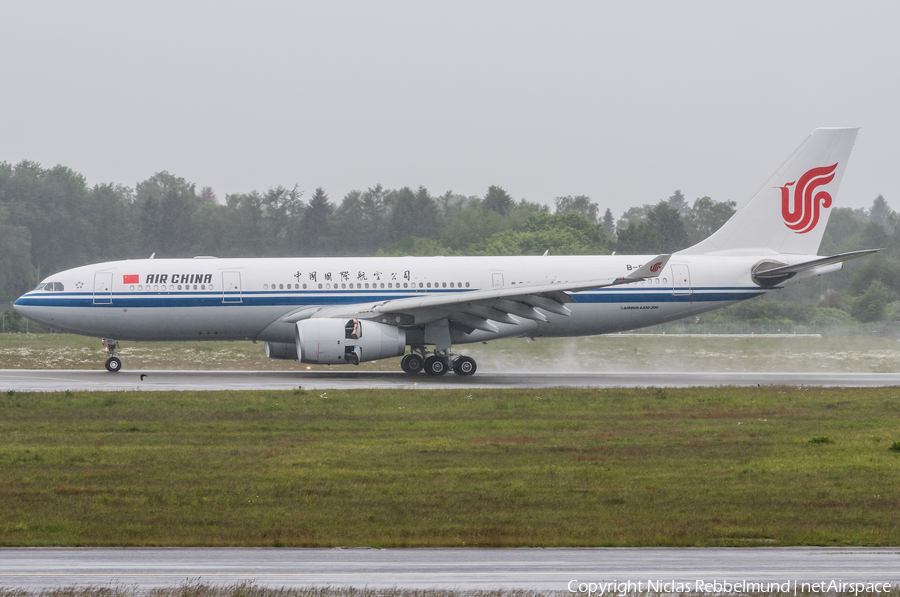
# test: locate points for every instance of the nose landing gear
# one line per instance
(113, 363)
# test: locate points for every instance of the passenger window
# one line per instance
(195, 287)
(132, 288)
(429, 285)
(320, 286)
(451, 284)
(404, 285)
(304, 287)
(467, 284)
(265, 286)
(420, 285)
(343, 286)
(281, 286)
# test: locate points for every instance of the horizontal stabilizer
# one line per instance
(786, 271)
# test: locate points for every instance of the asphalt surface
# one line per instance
(80, 380)
(461, 569)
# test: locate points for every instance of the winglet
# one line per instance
(651, 269)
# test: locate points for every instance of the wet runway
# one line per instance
(86, 380)
(460, 569)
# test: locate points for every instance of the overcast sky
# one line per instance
(621, 101)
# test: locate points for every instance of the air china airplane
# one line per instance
(350, 310)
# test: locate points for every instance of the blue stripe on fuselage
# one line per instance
(348, 297)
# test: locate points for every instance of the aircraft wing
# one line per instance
(475, 309)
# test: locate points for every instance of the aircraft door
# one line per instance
(231, 287)
(498, 280)
(681, 279)
(103, 288)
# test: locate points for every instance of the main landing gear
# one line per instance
(438, 363)
(113, 364)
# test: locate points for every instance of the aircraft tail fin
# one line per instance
(789, 212)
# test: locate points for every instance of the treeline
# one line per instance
(51, 220)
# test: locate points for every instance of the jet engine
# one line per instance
(281, 350)
(347, 341)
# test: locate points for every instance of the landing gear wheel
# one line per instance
(464, 366)
(113, 364)
(435, 366)
(412, 363)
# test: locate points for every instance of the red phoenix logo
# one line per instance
(655, 267)
(802, 214)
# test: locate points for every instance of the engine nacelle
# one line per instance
(281, 350)
(347, 341)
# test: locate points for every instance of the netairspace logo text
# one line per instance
(624, 588)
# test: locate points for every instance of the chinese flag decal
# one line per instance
(130, 279)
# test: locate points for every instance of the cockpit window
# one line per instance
(39, 286)
(51, 286)
(58, 286)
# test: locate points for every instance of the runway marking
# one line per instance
(95, 383)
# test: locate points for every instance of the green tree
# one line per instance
(373, 217)
(633, 215)
(661, 232)
(872, 304)
(166, 204)
(498, 200)
(609, 225)
(579, 204)
(212, 232)
(844, 232)
(560, 234)
(705, 217)
(346, 219)
(54, 206)
(282, 210)
(244, 233)
(17, 274)
(413, 214)
(882, 214)
(678, 202)
(315, 226)
(669, 228)
(111, 219)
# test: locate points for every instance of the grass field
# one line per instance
(600, 353)
(710, 467)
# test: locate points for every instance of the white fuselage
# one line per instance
(249, 299)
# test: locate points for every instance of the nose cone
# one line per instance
(28, 308)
